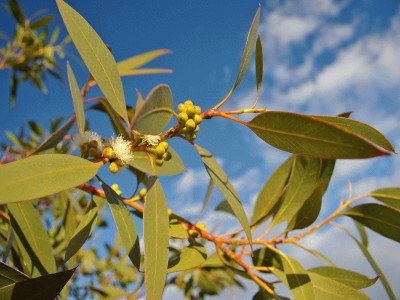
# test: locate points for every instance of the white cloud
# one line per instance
(191, 179)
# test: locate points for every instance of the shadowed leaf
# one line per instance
(390, 196)
(189, 258)
(77, 100)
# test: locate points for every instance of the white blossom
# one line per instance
(122, 149)
(88, 136)
(151, 140)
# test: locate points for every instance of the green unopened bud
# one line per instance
(113, 167)
(159, 151)
(188, 103)
(196, 129)
(191, 111)
(198, 110)
(166, 156)
(197, 119)
(190, 125)
(164, 144)
(159, 162)
(181, 107)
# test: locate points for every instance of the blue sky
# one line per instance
(321, 57)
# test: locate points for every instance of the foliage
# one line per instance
(52, 201)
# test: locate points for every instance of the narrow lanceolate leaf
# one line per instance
(313, 136)
(82, 232)
(272, 191)
(297, 279)
(225, 186)
(382, 219)
(189, 258)
(97, 57)
(350, 278)
(390, 196)
(9, 275)
(259, 66)
(76, 99)
(43, 175)
(37, 288)
(56, 137)
(146, 163)
(302, 183)
(328, 288)
(32, 238)
(137, 61)
(156, 236)
(156, 111)
(125, 225)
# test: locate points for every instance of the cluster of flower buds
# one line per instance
(90, 144)
(189, 118)
(160, 152)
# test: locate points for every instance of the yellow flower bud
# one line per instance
(190, 125)
(113, 167)
(142, 192)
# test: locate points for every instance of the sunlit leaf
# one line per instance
(9, 275)
(189, 258)
(225, 186)
(382, 219)
(390, 196)
(37, 288)
(328, 288)
(156, 236)
(32, 238)
(156, 111)
(42, 175)
(97, 57)
(145, 72)
(312, 136)
(77, 100)
(350, 278)
(172, 167)
(137, 61)
(83, 231)
(125, 225)
(176, 230)
(56, 137)
(272, 191)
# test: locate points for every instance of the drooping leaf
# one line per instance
(9, 275)
(156, 236)
(225, 186)
(362, 129)
(350, 278)
(390, 196)
(97, 57)
(156, 111)
(42, 175)
(328, 288)
(137, 61)
(16, 11)
(125, 225)
(77, 100)
(189, 258)
(207, 197)
(83, 231)
(312, 136)
(41, 22)
(302, 182)
(382, 219)
(143, 163)
(272, 191)
(33, 241)
(37, 288)
(373, 264)
(56, 137)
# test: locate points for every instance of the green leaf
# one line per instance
(248, 51)
(390, 196)
(172, 167)
(43, 175)
(225, 207)
(225, 186)
(137, 61)
(328, 288)
(259, 66)
(362, 129)
(16, 11)
(156, 236)
(272, 191)
(312, 136)
(155, 113)
(56, 137)
(176, 230)
(302, 182)
(37, 288)
(373, 264)
(350, 278)
(297, 279)
(207, 197)
(82, 232)
(125, 224)
(77, 100)
(265, 257)
(97, 57)
(382, 219)
(189, 258)
(32, 238)
(9, 275)
(41, 22)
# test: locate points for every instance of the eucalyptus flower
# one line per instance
(121, 149)
(151, 140)
(87, 137)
